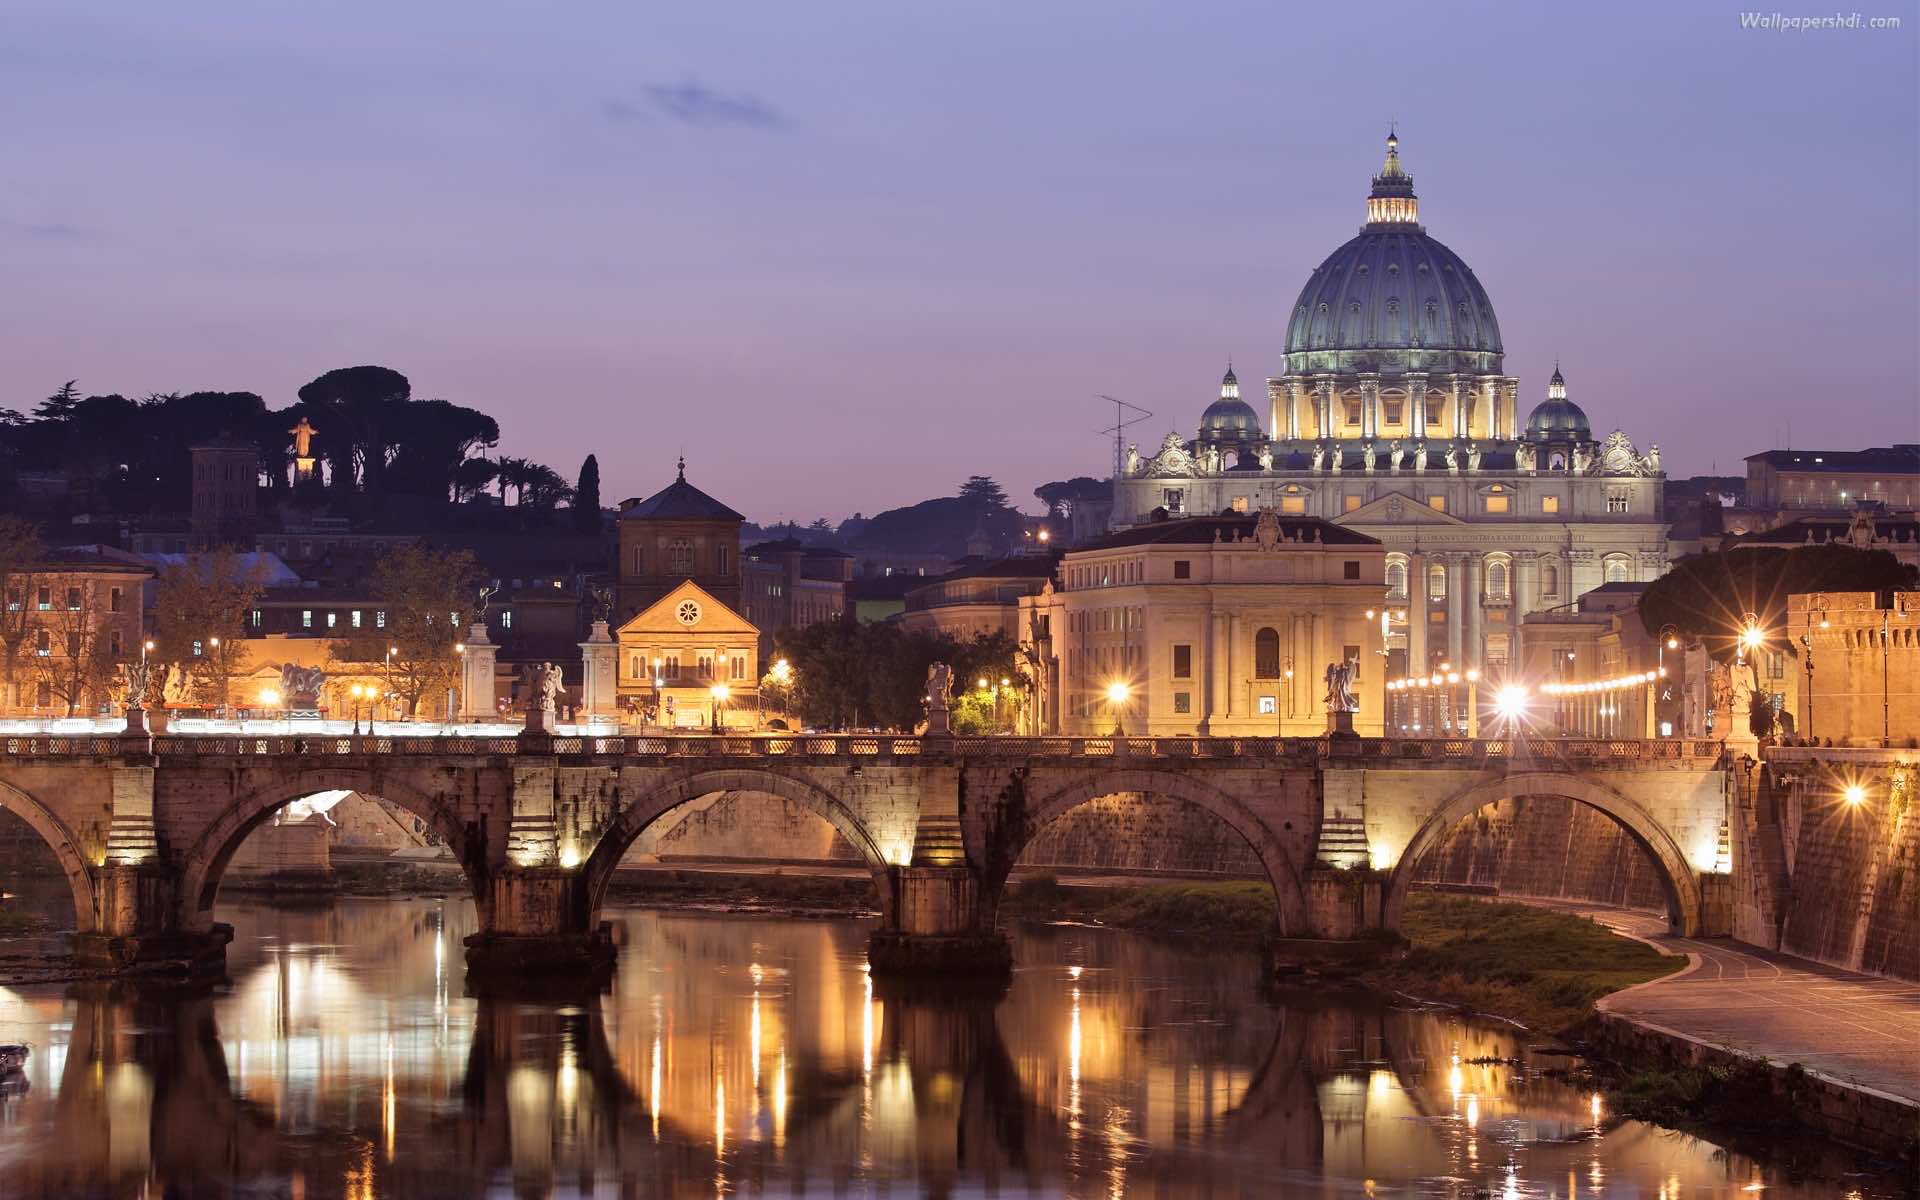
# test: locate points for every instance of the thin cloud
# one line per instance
(696, 104)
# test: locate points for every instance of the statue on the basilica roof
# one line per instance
(1473, 456)
(1366, 456)
(1394, 457)
(1420, 458)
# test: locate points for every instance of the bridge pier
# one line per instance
(136, 925)
(938, 928)
(534, 932)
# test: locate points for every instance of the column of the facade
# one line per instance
(1417, 403)
(1323, 406)
(1475, 650)
(1459, 388)
(1216, 664)
(1228, 672)
(1455, 615)
(1369, 405)
(1510, 393)
(1524, 570)
(1417, 591)
(1490, 422)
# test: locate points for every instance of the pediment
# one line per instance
(1397, 508)
(663, 615)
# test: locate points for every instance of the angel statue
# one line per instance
(1523, 456)
(137, 682)
(1473, 456)
(1453, 459)
(1581, 460)
(1264, 455)
(1340, 697)
(1366, 456)
(550, 685)
(1319, 457)
(1420, 458)
(1395, 453)
(1133, 461)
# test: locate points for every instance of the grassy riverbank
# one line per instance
(1536, 966)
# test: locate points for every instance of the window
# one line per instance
(637, 666)
(332, 619)
(680, 554)
(1182, 702)
(1173, 499)
(1182, 569)
(46, 599)
(1549, 504)
(1436, 582)
(1294, 505)
(1397, 580)
(673, 667)
(306, 618)
(73, 599)
(1615, 569)
(1269, 705)
(1496, 504)
(1391, 407)
(256, 616)
(1183, 662)
(739, 667)
(506, 618)
(1496, 581)
(706, 666)
(380, 618)
(196, 648)
(1350, 569)
(113, 643)
(42, 643)
(354, 619)
(1353, 502)
(1616, 502)
(113, 600)
(721, 559)
(1266, 654)
(1437, 503)
(639, 560)
(1353, 412)
(1549, 579)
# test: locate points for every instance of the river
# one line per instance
(752, 1054)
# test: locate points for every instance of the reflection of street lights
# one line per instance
(719, 693)
(1117, 694)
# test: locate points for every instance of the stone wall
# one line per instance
(726, 826)
(1127, 833)
(1546, 846)
(1827, 879)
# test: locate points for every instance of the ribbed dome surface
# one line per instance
(1393, 288)
(1230, 419)
(1558, 421)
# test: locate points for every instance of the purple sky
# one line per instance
(845, 254)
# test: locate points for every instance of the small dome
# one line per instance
(1230, 420)
(1558, 419)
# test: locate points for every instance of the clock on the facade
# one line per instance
(688, 612)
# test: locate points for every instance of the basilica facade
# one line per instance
(1393, 417)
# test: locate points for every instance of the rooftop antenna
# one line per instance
(1121, 421)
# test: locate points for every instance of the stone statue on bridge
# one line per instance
(1340, 697)
(939, 682)
(139, 681)
(300, 687)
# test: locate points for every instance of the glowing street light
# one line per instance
(1510, 703)
(1117, 694)
(718, 693)
(1856, 795)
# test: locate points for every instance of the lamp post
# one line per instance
(355, 691)
(1117, 693)
(718, 693)
(1286, 685)
(391, 651)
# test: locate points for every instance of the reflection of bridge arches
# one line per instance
(72, 853)
(1676, 874)
(1256, 830)
(656, 802)
(206, 861)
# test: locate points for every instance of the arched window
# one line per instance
(1616, 569)
(1266, 654)
(1436, 582)
(1496, 580)
(1549, 579)
(1397, 580)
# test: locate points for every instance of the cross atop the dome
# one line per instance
(1392, 202)
(683, 468)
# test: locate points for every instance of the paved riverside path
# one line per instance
(1859, 1029)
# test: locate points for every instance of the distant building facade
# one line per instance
(687, 659)
(1794, 482)
(1860, 655)
(978, 599)
(1393, 417)
(1211, 625)
(787, 585)
(75, 617)
(677, 534)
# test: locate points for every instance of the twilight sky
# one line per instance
(844, 254)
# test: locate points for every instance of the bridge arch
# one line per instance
(67, 849)
(654, 803)
(1676, 873)
(1289, 894)
(206, 861)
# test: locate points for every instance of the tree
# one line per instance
(425, 594)
(20, 552)
(849, 673)
(1061, 495)
(77, 659)
(352, 407)
(982, 491)
(59, 406)
(1707, 596)
(542, 487)
(472, 477)
(200, 614)
(586, 497)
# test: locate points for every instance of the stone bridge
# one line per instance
(145, 826)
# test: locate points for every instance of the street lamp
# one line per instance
(1117, 694)
(356, 691)
(719, 693)
(1856, 795)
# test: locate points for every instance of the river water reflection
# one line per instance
(751, 1055)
